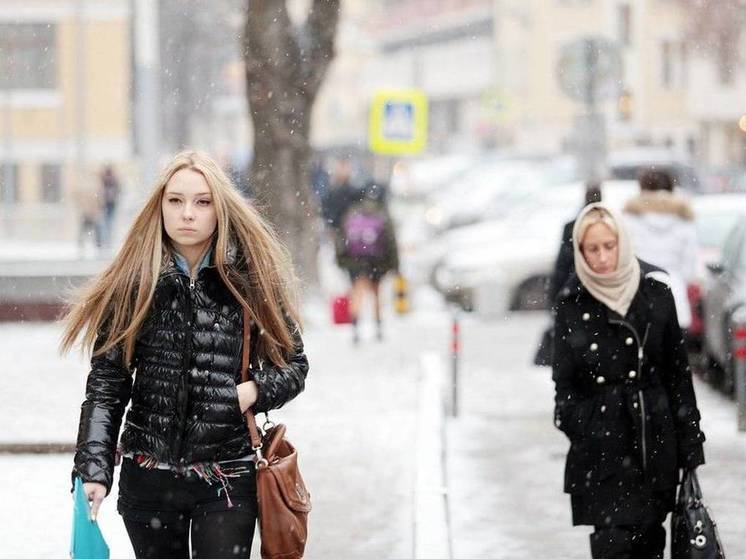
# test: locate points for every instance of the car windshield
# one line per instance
(713, 228)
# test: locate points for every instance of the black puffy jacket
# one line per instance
(624, 397)
(186, 366)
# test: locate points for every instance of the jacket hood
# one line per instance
(664, 203)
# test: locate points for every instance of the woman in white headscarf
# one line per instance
(624, 394)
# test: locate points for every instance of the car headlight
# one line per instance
(434, 216)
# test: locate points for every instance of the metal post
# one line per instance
(455, 354)
(147, 104)
(6, 82)
(739, 372)
(81, 100)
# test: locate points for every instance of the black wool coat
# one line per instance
(182, 383)
(624, 397)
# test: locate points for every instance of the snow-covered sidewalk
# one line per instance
(506, 459)
(354, 427)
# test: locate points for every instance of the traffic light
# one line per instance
(625, 105)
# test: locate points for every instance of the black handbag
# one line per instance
(694, 534)
(543, 355)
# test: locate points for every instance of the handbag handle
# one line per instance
(256, 440)
(690, 488)
(696, 490)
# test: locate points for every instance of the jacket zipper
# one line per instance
(640, 353)
(184, 383)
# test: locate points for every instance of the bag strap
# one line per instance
(256, 440)
(696, 490)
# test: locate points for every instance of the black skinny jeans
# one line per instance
(215, 535)
(162, 509)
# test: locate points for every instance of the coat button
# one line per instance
(632, 374)
(603, 409)
(628, 341)
(600, 380)
(586, 316)
(594, 346)
(634, 405)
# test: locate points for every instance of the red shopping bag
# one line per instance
(341, 310)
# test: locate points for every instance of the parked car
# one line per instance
(715, 215)
(493, 186)
(628, 164)
(419, 178)
(724, 306)
(498, 266)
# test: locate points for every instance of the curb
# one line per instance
(432, 538)
(37, 448)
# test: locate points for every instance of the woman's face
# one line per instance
(188, 210)
(600, 248)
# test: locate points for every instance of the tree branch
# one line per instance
(320, 29)
(270, 45)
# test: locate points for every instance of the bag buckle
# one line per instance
(259, 459)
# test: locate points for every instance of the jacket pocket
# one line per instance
(235, 403)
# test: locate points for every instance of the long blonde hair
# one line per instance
(113, 306)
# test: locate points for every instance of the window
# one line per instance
(684, 61)
(27, 56)
(731, 248)
(51, 183)
(624, 11)
(8, 183)
(725, 72)
(741, 263)
(666, 64)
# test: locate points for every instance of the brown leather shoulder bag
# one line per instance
(284, 501)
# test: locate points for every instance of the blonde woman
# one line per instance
(624, 394)
(165, 322)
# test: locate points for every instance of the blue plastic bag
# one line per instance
(87, 541)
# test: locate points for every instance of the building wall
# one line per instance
(80, 123)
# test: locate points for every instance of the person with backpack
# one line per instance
(366, 249)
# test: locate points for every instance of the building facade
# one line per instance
(65, 108)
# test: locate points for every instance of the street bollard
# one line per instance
(401, 294)
(455, 354)
(739, 372)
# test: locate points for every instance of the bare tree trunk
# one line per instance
(285, 66)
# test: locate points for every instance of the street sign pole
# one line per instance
(589, 70)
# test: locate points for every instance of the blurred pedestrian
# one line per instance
(624, 394)
(366, 249)
(661, 223)
(319, 178)
(168, 314)
(340, 196)
(111, 190)
(89, 200)
(563, 269)
(564, 265)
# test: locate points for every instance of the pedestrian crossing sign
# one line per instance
(398, 122)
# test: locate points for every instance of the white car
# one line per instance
(494, 267)
(715, 216)
(493, 187)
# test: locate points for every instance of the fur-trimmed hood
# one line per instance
(660, 202)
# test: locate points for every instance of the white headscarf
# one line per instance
(616, 289)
